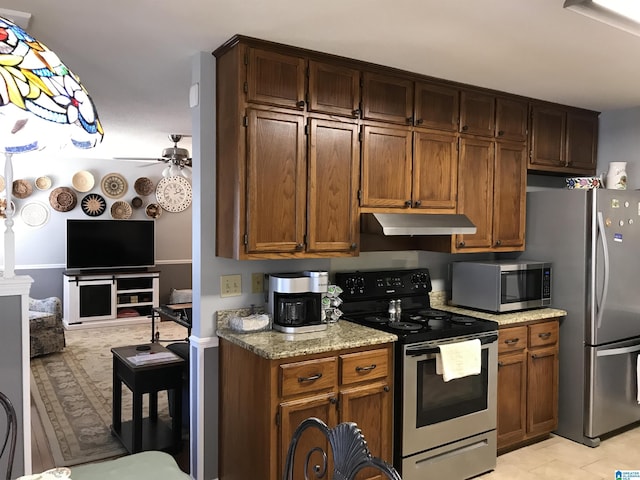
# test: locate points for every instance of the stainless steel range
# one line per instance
(441, 429)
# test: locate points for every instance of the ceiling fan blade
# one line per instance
(142, 159)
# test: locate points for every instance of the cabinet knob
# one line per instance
(465, 128)
(353, 246)
(386, 388)
(410, 120)
(299, 246)
(420, 121)
(407, 203)
(333, 400)
(461, 244)
(500, 364)
(500, 133)
(417, 203)
(498, 243)
(300, 104)
(356, 113)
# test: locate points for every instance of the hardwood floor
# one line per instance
(42, 459)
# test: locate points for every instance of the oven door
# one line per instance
(436, 412)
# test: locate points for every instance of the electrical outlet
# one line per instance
(257, 282)
(230, 285)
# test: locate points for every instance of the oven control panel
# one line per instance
(383, 283)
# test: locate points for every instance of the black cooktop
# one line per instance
(366, 297)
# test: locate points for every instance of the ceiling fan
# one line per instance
(178, 159)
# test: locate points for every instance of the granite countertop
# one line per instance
(438, 300)
(272, 345)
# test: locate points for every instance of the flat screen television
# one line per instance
(110, 244)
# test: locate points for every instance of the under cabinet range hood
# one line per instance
(423, 224)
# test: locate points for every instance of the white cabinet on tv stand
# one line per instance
(102, 299)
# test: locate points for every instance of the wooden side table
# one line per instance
(148, 433)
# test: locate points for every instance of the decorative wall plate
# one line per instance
(143, 186)
(43, 183)
(63, 199)
(22, 188)
(83, 181)
(93, 204)
(35, 214)
(136, 202)
(174, 194)
(114, 185)
(121, 210)
(153, 210)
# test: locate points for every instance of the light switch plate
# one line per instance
(257, 282)
(230, 285)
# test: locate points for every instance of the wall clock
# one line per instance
(174, 194)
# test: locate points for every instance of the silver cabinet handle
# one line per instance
(366, 369)
(309, 379)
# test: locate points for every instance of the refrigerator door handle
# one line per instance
(605, 254)
(618, 351)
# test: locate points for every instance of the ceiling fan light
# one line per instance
(166, 172)
(186, 173)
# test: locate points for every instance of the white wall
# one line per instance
(619, 141)
(45, 246)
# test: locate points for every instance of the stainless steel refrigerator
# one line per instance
(592, 237)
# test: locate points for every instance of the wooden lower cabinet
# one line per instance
(527, 383)
(263, 401)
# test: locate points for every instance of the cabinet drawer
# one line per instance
(543, 334)
(310, 376)
(362, 366)
(512, 339)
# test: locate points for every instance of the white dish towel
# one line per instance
(638, 378)
(457, 360)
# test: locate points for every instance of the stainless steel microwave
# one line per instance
(501, 285)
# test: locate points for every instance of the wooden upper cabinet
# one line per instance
(435, 171)
(548, 127)
(511, 119)
(334, 89)
(475, 190)
(437, 107)
(275, 79)
(386, 167)
(509, 185)
(477, 113)
(276, 182)
(387, 98)
(582, 141)
(333, 171)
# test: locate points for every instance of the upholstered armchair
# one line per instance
(46, 331)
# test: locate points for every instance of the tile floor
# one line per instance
(559, 458)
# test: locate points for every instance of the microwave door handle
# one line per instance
(605, 256)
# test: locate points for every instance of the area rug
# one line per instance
(72, 391)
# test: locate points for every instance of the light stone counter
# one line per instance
(439, 301)
(273, 345)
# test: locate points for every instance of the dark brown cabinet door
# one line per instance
(334, 89)
(275, 79)
(512, 398)
(292, 414)
(477, 113)
(387, 98)
(276, 181)
(542, 394)
(511, 119)
(386, 167)
(509, 185)
(435, 171)
(548, 126)
(369, 406)
(475, 190)
(582, 142)
(332, 207)
(437, 107)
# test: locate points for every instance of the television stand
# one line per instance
(107, 298)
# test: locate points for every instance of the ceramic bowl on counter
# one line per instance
(584, 183)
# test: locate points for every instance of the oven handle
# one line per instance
(431, 350)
